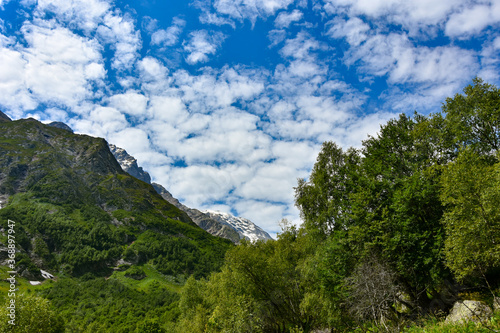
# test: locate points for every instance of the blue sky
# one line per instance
(226, 102)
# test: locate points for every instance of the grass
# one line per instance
(152, 278)
(433, 325)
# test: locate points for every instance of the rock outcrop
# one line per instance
(469, 310)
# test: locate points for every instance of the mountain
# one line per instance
(204, 221)
(129, 164)
(61, 125)
(4, 117)
(78, 212)
(245, 228)
(221, 225)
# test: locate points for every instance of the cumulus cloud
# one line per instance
(461, 17)
(472, 20)
(354, 30)
(131, 103)
(56, 66)
(250, 9)
(170, 36)
(81, 14)
(15, 96)
(284, 19)
(119, 32)
(201, 45)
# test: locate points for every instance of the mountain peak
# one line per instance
(61, 125)
(4, 117)
(246, 228)
(129, 164)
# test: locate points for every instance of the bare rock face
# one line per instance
(469, 310)
(61, 125)
(4, 117)
(245, 228)
(129, 164)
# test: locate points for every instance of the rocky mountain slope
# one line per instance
(218, 224)
(204, 221)
(4, 117)
(129, 164)
(245, 228)
(78, 212)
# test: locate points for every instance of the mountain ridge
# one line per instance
(229, 227)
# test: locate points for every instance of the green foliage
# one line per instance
(100, 305)
(264, 286)
(471, 191)
(32, 314)
(434, 325)
(474, 118)
(324, 199)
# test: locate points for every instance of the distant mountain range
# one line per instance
(217, 223)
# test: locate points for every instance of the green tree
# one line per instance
(474, 118)
(33, 314)
(471, 192)
(324, 200)
(396, 210)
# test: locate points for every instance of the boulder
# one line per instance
(469, 310)
(496, 304)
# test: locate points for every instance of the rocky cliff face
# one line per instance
(129, 164)
(221, 225)
(4, 117)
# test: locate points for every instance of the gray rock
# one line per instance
(61, 125)
(129, 164)
(469, 310)
(4, 117)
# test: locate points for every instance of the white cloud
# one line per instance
(119, 31)
(300, 47)
(81, 14)
(199, 185)
(250, 9)
(396, 56)
(170, 36)
(201, 45)
(284, 19)
(490, 59)
(131, 103)
(52, 44)
(15, 96)
(461, 17)
(135, 139)
(276, 36)
(212, 18)
(60, 66)
(101, 122)
(473, 20)
(354, 30)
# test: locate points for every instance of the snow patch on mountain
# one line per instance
(246, 228)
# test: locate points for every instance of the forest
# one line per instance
(392, 235)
